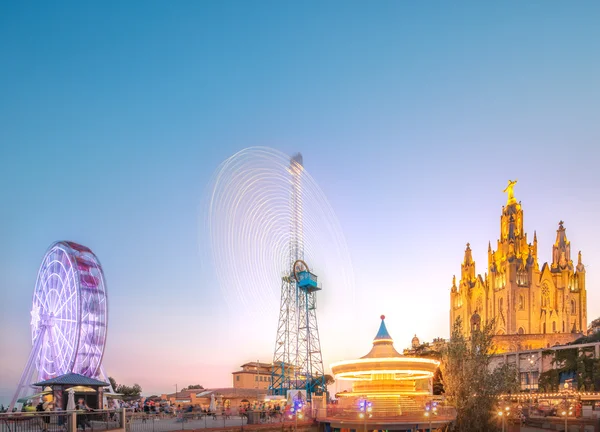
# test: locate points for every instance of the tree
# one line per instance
(438, 382)
(128, 392)
(133, 392)
(113, 383)
(329, 380)
(469, 384)
(193, 387)
(575, 364)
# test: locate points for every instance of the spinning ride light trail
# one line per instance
(69, 317)
(266, 215)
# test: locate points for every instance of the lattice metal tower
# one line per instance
(297, 362)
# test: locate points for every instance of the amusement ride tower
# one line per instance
(267, 221)
(297, 361)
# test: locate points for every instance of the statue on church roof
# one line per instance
(510, 192)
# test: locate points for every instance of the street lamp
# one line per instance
(365, 407)
(257, 363)
(504, 414)
(566, 415)
(428, 415)
(297, 411)
(430, 411)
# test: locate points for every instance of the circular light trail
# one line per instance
(249, 224)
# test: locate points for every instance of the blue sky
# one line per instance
(411, 116)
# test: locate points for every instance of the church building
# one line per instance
(532, 307)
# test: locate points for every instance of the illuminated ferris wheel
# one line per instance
(68, 317)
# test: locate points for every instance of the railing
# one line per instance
(440, 414)
(61, 421)
(160, 422)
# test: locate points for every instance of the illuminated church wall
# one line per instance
(532, 307)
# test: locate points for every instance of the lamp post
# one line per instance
(428, 415)
(430, 411)
(567, 411)
(176, 394)
(504, 414)
(297, 410)
(365, 407)
(257, 363)
(533, 359)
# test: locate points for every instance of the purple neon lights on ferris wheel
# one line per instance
(70, 312)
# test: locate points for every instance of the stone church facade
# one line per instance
(532, 307)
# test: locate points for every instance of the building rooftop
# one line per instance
(72, 379)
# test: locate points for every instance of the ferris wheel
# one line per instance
(69, 316)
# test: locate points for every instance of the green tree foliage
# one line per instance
(469, 384)
(438, 382)
(193, 387)
(328, 380)
(579, 364)
(129, 392)
(428, 351)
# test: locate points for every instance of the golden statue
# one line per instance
(510, 192)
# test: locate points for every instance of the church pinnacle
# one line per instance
(468, 256)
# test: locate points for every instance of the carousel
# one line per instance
(389, 391)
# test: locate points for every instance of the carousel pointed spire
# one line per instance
(382, 334)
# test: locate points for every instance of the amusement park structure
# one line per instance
(297, 361)
(69, 317)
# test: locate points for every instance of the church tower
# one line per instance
(531, 308)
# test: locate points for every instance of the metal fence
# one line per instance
(61, 421)
(141, 422)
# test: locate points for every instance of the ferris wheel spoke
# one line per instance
(63, 336)
(64, 303)
(65, 320)
(42, 302)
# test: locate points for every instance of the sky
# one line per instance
(410, 116)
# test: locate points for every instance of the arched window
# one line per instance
(573, 307)
(500, 304)
(521, 302)
(544, 328)
(554, 326)
(521, 331)
(563, 327)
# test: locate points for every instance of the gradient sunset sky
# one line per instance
(411, 116)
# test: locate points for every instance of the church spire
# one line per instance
(561, 250)
(580, 266)
(468, 257)
(468, 266)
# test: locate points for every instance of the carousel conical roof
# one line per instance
(383, 344)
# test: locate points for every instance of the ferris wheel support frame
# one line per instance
(28, 371)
